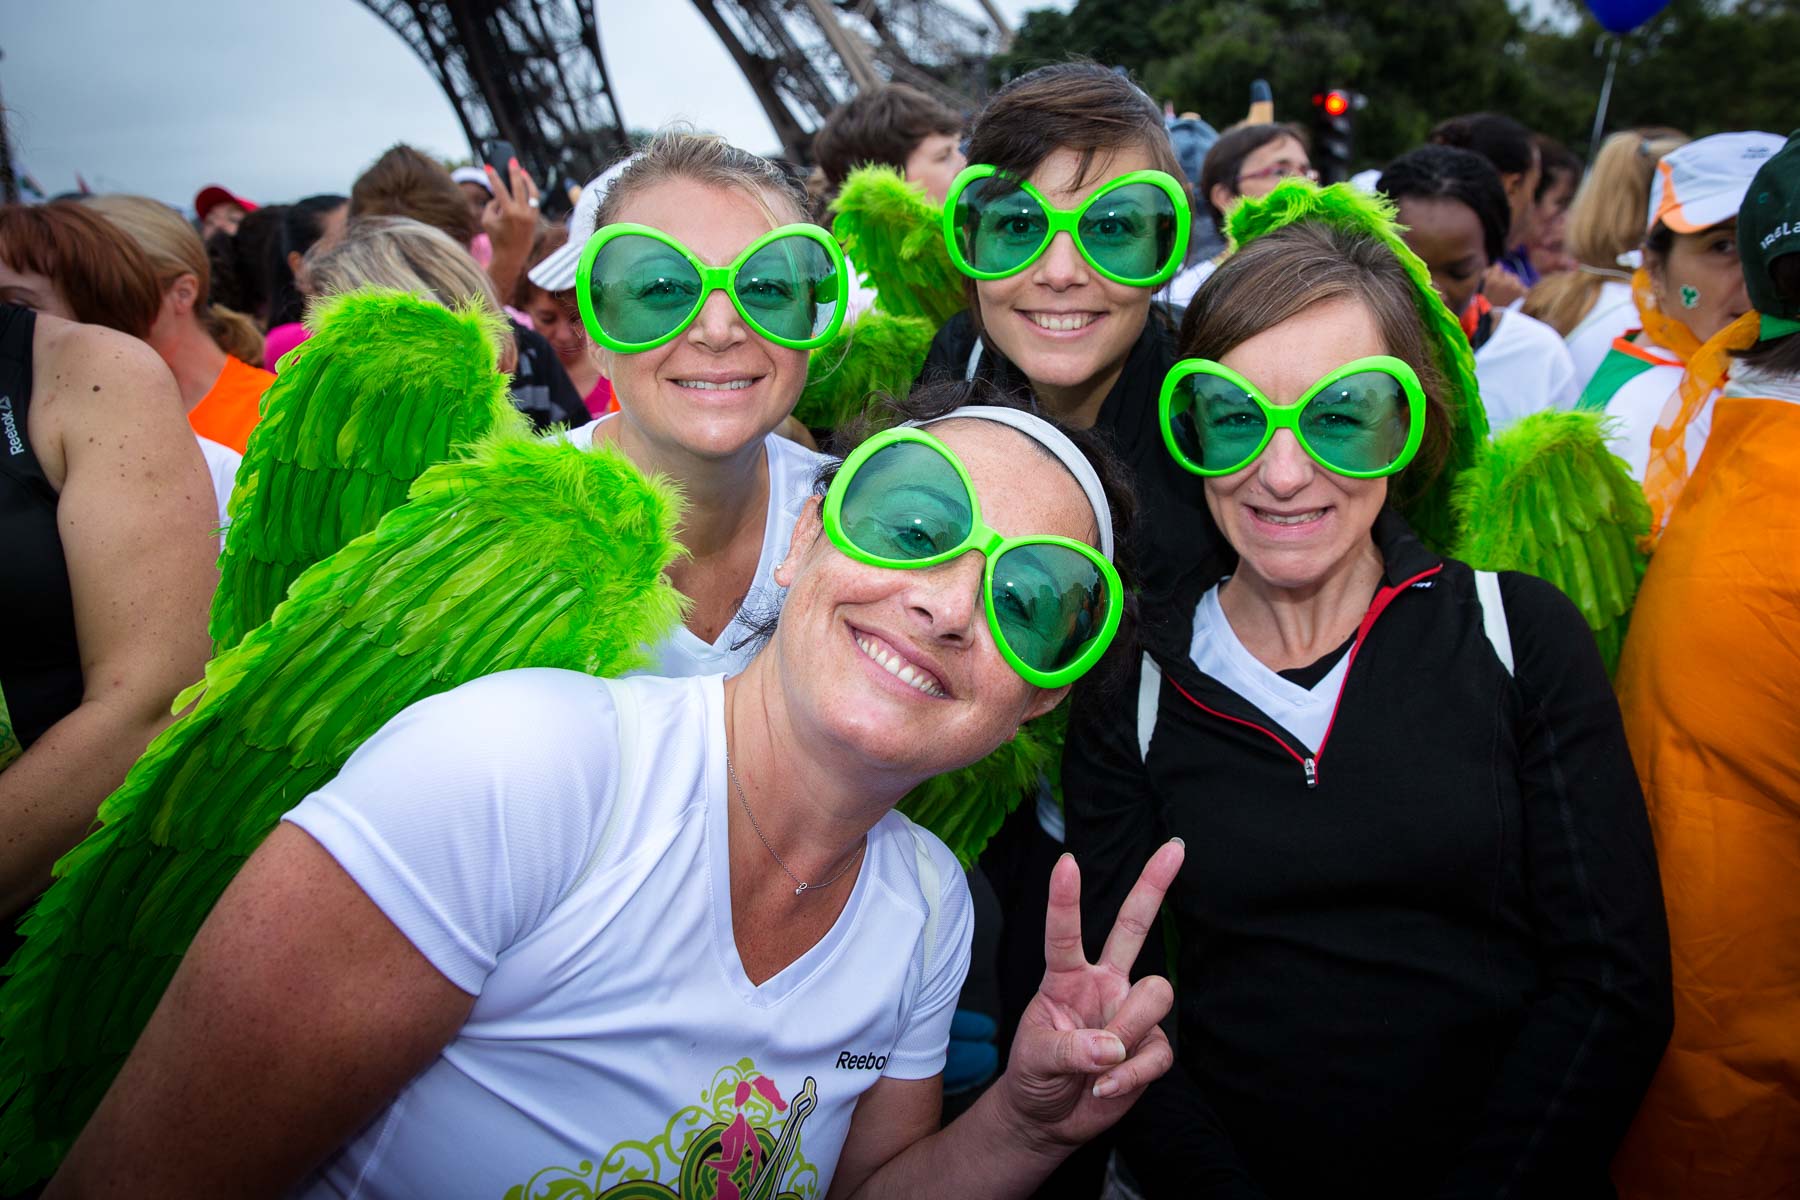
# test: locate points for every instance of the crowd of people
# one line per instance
(1182, 473)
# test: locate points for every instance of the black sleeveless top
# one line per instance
(40, 662)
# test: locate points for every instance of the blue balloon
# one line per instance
(1623, 16)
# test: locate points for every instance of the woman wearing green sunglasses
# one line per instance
(1069, 218)
(703, 291)
(1421, 944)
(667, 936)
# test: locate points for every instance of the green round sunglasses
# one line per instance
(638, 288)
(903, 501)
(1364, 420)
(1133, 229)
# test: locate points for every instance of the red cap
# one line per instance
(212, 195)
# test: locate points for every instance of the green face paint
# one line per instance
(1690, 296)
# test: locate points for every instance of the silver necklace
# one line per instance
(799, 884)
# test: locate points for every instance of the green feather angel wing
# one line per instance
(877, 354)
(1342, 206)
(385, 387)
(966, 807)
(1548, 498)
(522, 554)
(893, 233)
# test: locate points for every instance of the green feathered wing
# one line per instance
(521, 554)
(893, 233)
(1295, 201)
(385, 387)
(1548, 498)
(966, 807)
(877, 354)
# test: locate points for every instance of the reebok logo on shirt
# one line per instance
(15, 445)
(847, 1061)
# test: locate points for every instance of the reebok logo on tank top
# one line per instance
(15, 445)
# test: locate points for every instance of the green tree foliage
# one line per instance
(1701, 65)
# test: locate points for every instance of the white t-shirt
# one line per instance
(1180, 290)
(792, 469)
(222, 463)
(1216, 651)
(1639, 405)
(1522, 369)
(557, 846)
(1614, 314)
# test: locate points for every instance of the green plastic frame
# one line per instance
(989, 542)
(712, 279)
(1287, 416)
(1068, 220)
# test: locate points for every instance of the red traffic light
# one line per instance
(1336, 104)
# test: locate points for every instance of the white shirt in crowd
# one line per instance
(792, 470)
(1613, 315)
(222, 463)
(1523, 368)
(556, 845)
(1644, 401)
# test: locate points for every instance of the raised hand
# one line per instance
(1089, 1043)
(510, 221)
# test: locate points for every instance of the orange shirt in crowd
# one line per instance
(228, 412)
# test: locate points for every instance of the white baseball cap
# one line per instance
(556, 273)
(472, 175)
(1698, 185)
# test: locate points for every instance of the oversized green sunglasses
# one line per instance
(638, 288)
(903, 501)
(1133, 230)
(1364, 420)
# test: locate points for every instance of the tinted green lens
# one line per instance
(1217, 424)
(789, 288)
(641, 288)
(1359, 423)
(1130, 230)
(1000, 226)
(905, 503)
(1050, 601)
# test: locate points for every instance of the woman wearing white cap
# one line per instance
(1688, 290)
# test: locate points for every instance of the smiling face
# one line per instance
(1065, 325)
(1700, 282)
(718, 388)
(1447, 234)
(1293, 523)
(900, 665)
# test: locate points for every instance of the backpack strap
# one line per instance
(1493, 617)
(1149, 692)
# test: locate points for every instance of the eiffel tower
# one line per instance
(532, 71)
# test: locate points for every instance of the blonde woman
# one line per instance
(215, 353)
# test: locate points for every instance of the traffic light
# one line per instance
(1334, 132)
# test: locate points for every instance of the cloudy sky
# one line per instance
(278, 101)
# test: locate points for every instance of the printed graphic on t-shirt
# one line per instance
(742, 1142)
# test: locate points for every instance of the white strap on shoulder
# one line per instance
(974, 361)
(930, 884)
(1149, 693)
(1493, 617)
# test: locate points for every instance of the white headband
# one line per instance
(1056, 442)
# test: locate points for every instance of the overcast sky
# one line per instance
(281, 100)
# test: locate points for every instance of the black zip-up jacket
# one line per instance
(1430, 959)
(1174, 527)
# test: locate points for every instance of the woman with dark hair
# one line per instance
(1707, 687)
(1510, 148)
(1455, 213)
(1550, 207)
(1087, 342)
(304, 224)
(1420, 943)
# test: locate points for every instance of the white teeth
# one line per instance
(1293, 518)
(899, 669)
(1061, 323)
(706, 385)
